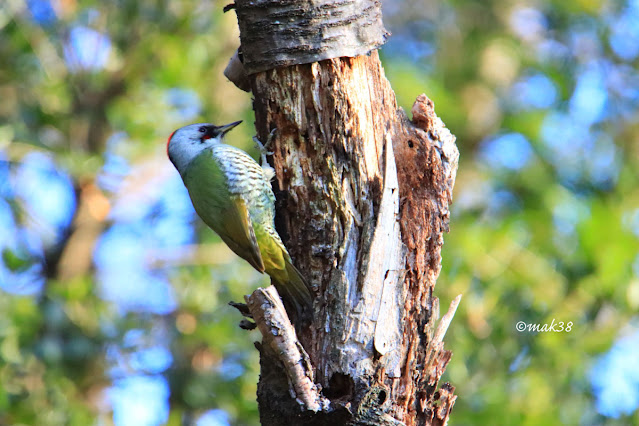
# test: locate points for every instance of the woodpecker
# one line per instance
(232, 194)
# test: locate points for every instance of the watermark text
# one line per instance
(554, 326)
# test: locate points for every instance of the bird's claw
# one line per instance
(269, 171)
(269, 139)
(263, 147)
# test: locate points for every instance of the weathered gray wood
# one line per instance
(277, 33)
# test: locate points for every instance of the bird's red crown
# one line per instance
(168, 142)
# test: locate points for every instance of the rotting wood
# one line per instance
(334, 121)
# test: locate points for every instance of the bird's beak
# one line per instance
(222, 130)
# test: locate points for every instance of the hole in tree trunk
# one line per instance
(381, 397)
(339, 386)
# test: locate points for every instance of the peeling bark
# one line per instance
(367, 235)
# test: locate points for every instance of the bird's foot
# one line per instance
(263, 147)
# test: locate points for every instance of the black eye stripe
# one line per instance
(202, 129)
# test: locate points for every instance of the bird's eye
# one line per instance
(202, 129)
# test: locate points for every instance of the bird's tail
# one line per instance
(296, 289)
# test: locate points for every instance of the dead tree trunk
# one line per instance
(363, 196)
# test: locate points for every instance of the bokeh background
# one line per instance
(113, 295)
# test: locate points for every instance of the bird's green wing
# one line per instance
(238, 233)
(225, 213)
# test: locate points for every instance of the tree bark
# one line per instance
(363, 196)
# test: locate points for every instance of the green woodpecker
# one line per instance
(233, 196)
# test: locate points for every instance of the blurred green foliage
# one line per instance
(63, 347)
(539, 233)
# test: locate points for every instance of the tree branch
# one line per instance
(279, 336)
